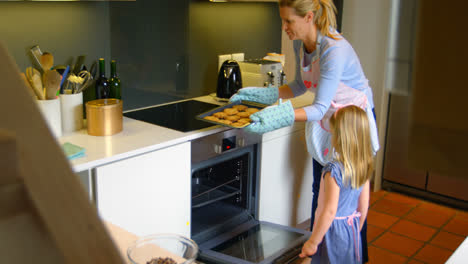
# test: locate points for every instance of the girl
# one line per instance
(344, 191)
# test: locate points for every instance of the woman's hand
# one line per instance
(263, 95)
(272, 118)
(309, 249)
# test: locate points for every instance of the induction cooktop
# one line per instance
(179, 116)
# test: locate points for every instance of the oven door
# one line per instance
(255, 242)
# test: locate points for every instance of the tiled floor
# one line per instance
(402, 229)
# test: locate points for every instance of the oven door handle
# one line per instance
(290, 256)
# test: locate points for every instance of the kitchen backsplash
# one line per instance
(165, 50)
(66, 29)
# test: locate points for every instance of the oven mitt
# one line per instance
(264, 95)
(272, 118)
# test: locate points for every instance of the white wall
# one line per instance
(365, 26)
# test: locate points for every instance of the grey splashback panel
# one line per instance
(226, 28)
(165, 50)
(148, 37)
(66, 29)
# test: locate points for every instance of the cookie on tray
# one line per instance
(244, 120)
(220, 115)
(211, 118)
(243, 114)
(240, 107)
(231, 111)
(251, 110)
(238, 124)
(233, 117)
(227, 122)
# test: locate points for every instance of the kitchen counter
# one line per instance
(460, 255)
(138, 137)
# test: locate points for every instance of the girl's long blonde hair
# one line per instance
(352, 144)
(324, 13)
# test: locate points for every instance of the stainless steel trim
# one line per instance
(93, 186)
(401, 45)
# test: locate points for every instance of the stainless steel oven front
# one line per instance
(224, 216)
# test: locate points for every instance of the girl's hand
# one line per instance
(309, 249)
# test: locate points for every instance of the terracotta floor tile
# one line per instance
(463, 215)
(424, 215)
(446, 240)
(457, 226)
(381, 220)
(373, 232)
(433, 255)
(413, 261)
(391, 207)
(438, 208)
(375, 196)
(382, 256)
(396, 197)
(398, 244)
(413, 230)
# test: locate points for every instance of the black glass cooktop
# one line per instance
(179, 116)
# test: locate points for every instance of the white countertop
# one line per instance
(139, 137)
(460, 255)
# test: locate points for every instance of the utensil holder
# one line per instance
(50, 110)
(71, 106)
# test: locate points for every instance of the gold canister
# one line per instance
(104, 117)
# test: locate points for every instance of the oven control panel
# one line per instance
(228, 143)
(215, 144)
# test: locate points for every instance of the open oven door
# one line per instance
(255, 242)
(224, 216)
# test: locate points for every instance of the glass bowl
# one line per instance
(181, 249)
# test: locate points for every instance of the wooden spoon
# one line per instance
(52, 83)
(34, 78)
(26, 82)
(47, 61)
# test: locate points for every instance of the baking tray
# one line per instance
(230, 105)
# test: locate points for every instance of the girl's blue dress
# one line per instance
(342, 242)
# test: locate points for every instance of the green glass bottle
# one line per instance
(102, 84)
(89, 93)
(114, 82)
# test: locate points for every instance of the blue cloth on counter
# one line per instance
(73, 151)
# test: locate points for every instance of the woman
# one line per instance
(326, 65)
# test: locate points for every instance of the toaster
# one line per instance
(262, 73)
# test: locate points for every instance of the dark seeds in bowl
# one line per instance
(161, 261)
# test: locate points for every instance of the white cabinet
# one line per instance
(86, 180)
(147, 194)
(285, 177)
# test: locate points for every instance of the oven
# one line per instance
(224, 214)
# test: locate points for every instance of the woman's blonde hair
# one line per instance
(323, 10)
(352, 144)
